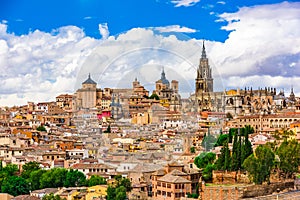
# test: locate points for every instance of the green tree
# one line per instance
(193, 149)
(289, 154)
(51, 196)
(224, 160)
(207, 172)
(208, 142)
(111, 193)
(53, 178)
(154, 96)
(96, 180)
(120, 193)
(235, 153)
(28, 168)
(259, 164)
(35, 179)
(41, 128)
(15, 186)
(247, 146)
(123, 182)
(204, 159)
(230, 135)
(10, 169)
(221, 140)
(74, 178)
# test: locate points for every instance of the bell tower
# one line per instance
(204, 81)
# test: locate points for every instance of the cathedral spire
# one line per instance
(203, 55)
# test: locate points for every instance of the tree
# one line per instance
(74, 178)
(289, 154)
(96, 180)
(204, 159)
(259, 164)
(235, 153)
(41, 128)
(123, 182)
(207, 172)
(28, 168)
(193, 149)
(247, 146)
(119, 189)
(15, 186)
(221, 140)
(154, 96)
(120, 193)
(10, 169)
(111, 193)
(35, 179)
(51, 196)
(208, 141)
(53, 178)
(224, 160)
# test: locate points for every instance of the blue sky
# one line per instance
(28, 15)
(52, 45)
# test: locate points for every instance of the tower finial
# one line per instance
(203, 51)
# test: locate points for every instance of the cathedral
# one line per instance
(235, 101)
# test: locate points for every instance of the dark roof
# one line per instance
(89, 81)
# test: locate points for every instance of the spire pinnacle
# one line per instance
(203, 55)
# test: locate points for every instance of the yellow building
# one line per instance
(97, 191)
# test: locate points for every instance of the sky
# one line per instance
(49, 47)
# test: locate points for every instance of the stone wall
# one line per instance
(229, 177)
(262, 190)
(220, 192)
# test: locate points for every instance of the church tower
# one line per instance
(204, 83)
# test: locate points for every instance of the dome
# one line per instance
(89, 81)
(163, 78)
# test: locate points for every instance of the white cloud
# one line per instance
(261, 38)
(185, 3)
(262, 50)
(103, 29)
(221, 2)
(87, 17)
(40, 65)
(175, 28)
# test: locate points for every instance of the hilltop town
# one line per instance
(154, 140)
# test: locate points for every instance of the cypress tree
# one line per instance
(227, 162)
(234, 151)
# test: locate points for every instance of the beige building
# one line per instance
(88, 96)
(267, 123)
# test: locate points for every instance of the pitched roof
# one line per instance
(89, 80)
(173, 179)
(176, 172)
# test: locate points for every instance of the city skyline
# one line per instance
(254, 44)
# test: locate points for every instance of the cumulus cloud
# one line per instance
(103, 29)
(262, 49)
(263, 40)
(185, 3)
(40, 65)
(175, 28)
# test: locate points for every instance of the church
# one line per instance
(235, 101)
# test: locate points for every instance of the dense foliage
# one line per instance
(117, 191)
(259, 165)
(33, 178)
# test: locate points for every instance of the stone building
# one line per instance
(168, 94)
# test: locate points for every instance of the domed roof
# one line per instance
(163, 78)
(89, 81)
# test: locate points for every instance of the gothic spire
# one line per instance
(203, 55)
